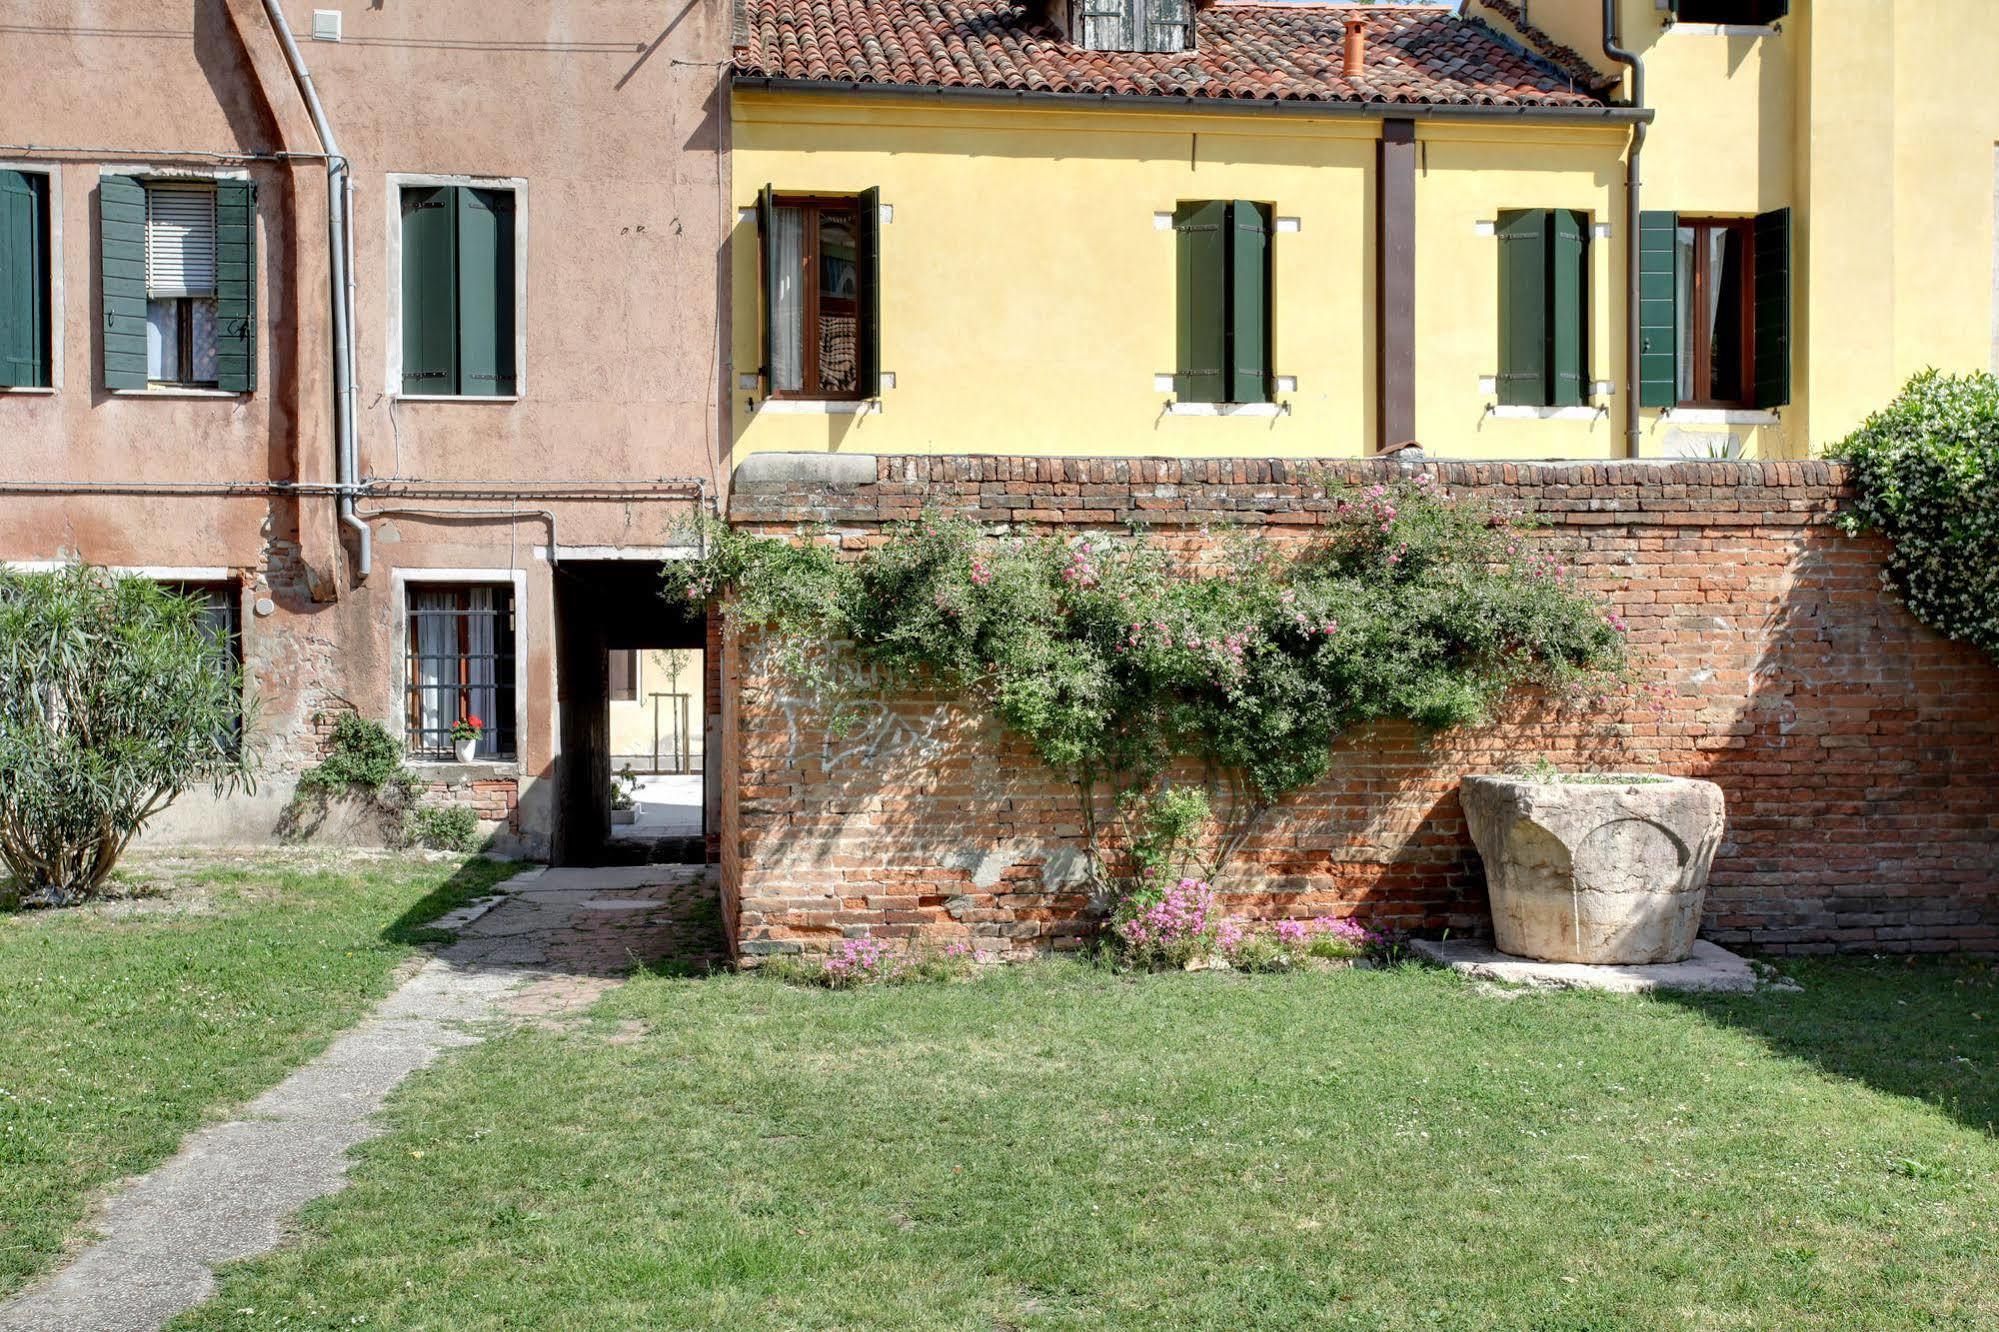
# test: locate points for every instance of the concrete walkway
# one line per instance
(553, 943)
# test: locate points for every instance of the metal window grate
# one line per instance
(459, 663)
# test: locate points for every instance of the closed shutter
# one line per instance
(121, 231)
(485, 221)
(1773, 308)
(1249, 302)
(1568, 307)
(1201, 323)
(867, 293)
(180, 238)
(1165, 24)
(767, 256)
(1524, 379)
(1658, 294)
(24, 280)
(236, 285)
(1107, 24)
(430, 291)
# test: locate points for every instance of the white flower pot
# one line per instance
(465, 749)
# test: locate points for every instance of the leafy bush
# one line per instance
(1926, 476)
(360, 753)
(114, 700)
(442, 827)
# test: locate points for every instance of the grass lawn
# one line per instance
(129, 1022)
(1057, 1147)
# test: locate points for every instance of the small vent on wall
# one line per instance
(326, 25)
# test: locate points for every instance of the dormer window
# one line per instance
(1734, 13)
(1132, 25)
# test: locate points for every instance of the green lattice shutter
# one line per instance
(1249, 302)
(1658, 295)
(768, 278)
(485, 221)
(1568, 307)
(1201, 322)
(1773, 308)
(236, 285)
(1523, 308)
(430, 291)
(121, 228)
(24, 280)
(867, 293)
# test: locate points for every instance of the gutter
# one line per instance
(339, 225)
(1562, 115)
(1633, 186)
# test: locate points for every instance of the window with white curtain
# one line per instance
(460, 666)
(180, 283)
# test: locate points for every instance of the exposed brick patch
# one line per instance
(1858, 751)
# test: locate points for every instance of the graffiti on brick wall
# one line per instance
(871, 727)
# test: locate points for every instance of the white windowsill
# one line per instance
(1718, 416)
(1516, 412)
(819, 406)
(481, 770)
(33, 390)
(174, 391)
(456, 397)
(1228, 409)
(1724, 29)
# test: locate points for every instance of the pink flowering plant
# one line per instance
(1123, 659)
(853, 963)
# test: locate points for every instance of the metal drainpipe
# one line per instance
(339, 219)
(1633, 181)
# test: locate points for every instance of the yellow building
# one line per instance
(976, 226)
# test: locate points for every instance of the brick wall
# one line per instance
(1859, 753)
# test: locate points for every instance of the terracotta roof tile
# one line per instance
(1285, 51)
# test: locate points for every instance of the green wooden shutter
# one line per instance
(24, 280)
(121, 228)
(1249, 302)
(867, 293)
(1523, 308)
(1658, 294)
(236, 285)
(1568, 307)
(767, 293)
(485, 292)
(1773, 308)
(1201, 239)
(430, 291)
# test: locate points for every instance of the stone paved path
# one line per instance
(552, 944)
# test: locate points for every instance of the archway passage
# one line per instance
(636, 698)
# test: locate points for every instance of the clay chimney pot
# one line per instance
(1355, 55)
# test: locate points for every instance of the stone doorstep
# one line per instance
(1712, 969)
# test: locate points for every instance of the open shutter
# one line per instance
(236, 285)
(1201, 323)
(1568, 307)
(485, 292)
(430, 291)
(1658, 293)
(24, 280)
(1524, 378)
(1249, 302)
(121, 229)
(1773, 308)
(767, 296)
(867, 293)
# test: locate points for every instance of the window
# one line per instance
(1714, 311)
(1132, 25)
(458, 312)
(820, 256)
(221, 615)
(624, 675)
(1543, 308)
(1223, 319)
(1751, 13)
(26, 320)
(460, 652)
(179, 282)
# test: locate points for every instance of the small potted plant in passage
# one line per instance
(1602, 868)
(624, 785)
(465, 737)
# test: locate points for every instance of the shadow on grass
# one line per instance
(1924, 1028)
(473, 879)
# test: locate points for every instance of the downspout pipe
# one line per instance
(339, 225)
(1633, 185)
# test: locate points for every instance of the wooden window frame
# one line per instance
(808, 389)
(505, 685)
(1703, 342)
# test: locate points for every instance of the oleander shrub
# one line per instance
(1925, 472)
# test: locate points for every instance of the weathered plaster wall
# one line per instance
(1858, 752)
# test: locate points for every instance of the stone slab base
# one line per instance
(1711, 969)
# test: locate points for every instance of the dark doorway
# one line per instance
(616, 639)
